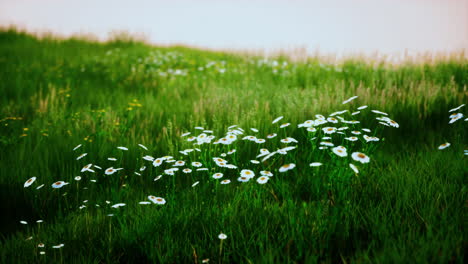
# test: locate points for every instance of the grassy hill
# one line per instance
(407, 205)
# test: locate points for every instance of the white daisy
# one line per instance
(262, 180)
(179, 163)
(315, 164)
(456, 108)
(329, 130)
(349, 99)
(202, 169)
(243, 179)
(266, 173)
(171, 171)
(255, 161)
(81, 156)
(383, 123)
(263, 152)
(196, 164)
(269, 136)
(247, 173)
(319, 122)
(340, 151)
(338, 113)
(157, 162)
(379, 112)
(307, 124)
(356, 113)
(260, 141)
(29, 182)
(354, 168)
(77, 147)
(143, 168)
(232, 151)
(269, 156)
(362, 107)
(311, 129)
(392, 123)
(254, 129)
(219, 160)
(144, 202)
(59, 184)
(444, 146)
(142, 146)
(195, 184)
(231, 138)
(361, 157)
(369, 139)
(277, 119)
(110, 171)
(87, 168)
(23, 222)
(40, 186)
(287, 167)
(326, 143)
(217, 175)
(78, 178)
(58, 246)
(185, 134)
(117, 205)
(289, 148)
(186, 170)
(366, 130)
(222, 236)
(225, 181)
(230, 166)
(148, 158)
(332, 120)
(157, 177)
(157, 200)
(223, 141)
(285, 125)
(455, 117)
(123, 148)
(351, 138)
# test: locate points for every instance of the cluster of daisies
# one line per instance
(334, 134)
(454, 117)
(325, 131)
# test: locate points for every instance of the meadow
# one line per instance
(123, 152)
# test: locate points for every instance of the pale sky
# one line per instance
(332, 26)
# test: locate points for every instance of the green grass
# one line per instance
(408, 205)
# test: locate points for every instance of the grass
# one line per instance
(408, 205)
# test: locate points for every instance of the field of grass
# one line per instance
(61, 98)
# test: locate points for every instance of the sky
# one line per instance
(329, 26)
